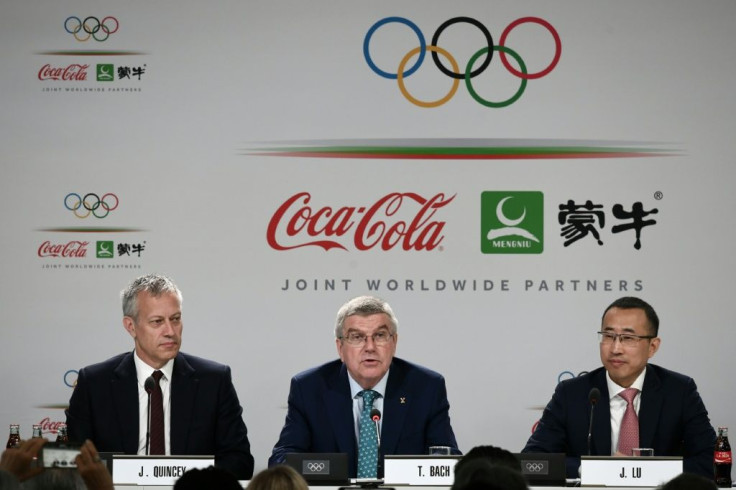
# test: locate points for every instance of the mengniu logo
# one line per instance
(105, 72)
(485, 54)
(512, 222)
(105, 249)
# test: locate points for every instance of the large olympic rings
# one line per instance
(91, 26)
(467, 74)
(92, 203)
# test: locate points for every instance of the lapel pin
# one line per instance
(402, 400)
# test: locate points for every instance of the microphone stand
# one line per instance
(149, 385)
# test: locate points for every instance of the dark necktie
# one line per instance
(367, 440)
(158, 445)
(628, 436)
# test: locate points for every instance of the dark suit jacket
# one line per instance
(206, 416)
(672, 420)
(320, 414)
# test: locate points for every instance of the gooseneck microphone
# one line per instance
(593, 397)
(376, 417)
(149, 385)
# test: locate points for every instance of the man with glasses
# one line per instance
(666, 413)
(329, 407)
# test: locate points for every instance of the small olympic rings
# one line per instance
(91, 202)
(91, 26)
(534, 467)
(468, 73)
(315, 467)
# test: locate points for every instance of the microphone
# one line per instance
(149, 385)
(376, 417)
(593, 398)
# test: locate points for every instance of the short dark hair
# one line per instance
(210, 477)
(632, 302)
(493, 454)
(482, 474)
(689, 481)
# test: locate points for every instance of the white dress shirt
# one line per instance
(618, 405)
(143, 371)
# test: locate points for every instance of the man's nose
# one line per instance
(370, 344)
(617, 345)
(168, 328)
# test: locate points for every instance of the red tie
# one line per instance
(628, 436)
(158, 445)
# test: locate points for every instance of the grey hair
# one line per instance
(153, 284)
(364, 306)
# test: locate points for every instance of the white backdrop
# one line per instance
(175, 129)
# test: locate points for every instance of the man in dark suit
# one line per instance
(325, 403)
(201, 411)
(672, 418)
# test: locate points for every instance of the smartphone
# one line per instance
(58, 456)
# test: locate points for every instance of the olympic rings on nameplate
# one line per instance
(315, 467)
(468, 73)
(91, 203)
(534, 467)
(92, 27)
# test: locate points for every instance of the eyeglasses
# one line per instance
(626, 339)
(358, 339)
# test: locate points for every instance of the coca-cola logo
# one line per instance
(48, 426)
(72, 72)
(74, 248)
(403, 219)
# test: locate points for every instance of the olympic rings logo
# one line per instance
(92, 27)
(315, 467)
(564, 375)
(67, 377)
(488, 50)
(534, 467)
(91, 203)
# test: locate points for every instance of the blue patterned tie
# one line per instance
(368, 441)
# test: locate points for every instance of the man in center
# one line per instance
(329, 406)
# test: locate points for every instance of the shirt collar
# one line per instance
(143, 370)
(614, 389)
(380, 387)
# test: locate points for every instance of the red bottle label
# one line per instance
(722, 457)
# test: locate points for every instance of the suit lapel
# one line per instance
(601, 443)
(124, 390)
(396, 405)
(184, 382)
(650, 407)
(339, 404)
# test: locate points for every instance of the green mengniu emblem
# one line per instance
(105, 72)
(512, 222)
(105, 250)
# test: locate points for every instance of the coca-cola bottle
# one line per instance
(37, 431)
(722, 459)
(61, 434)
(14, 439)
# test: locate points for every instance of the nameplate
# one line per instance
(419, 470)
(613, 471)
(154, 470)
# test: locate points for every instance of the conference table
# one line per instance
(403, 487)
